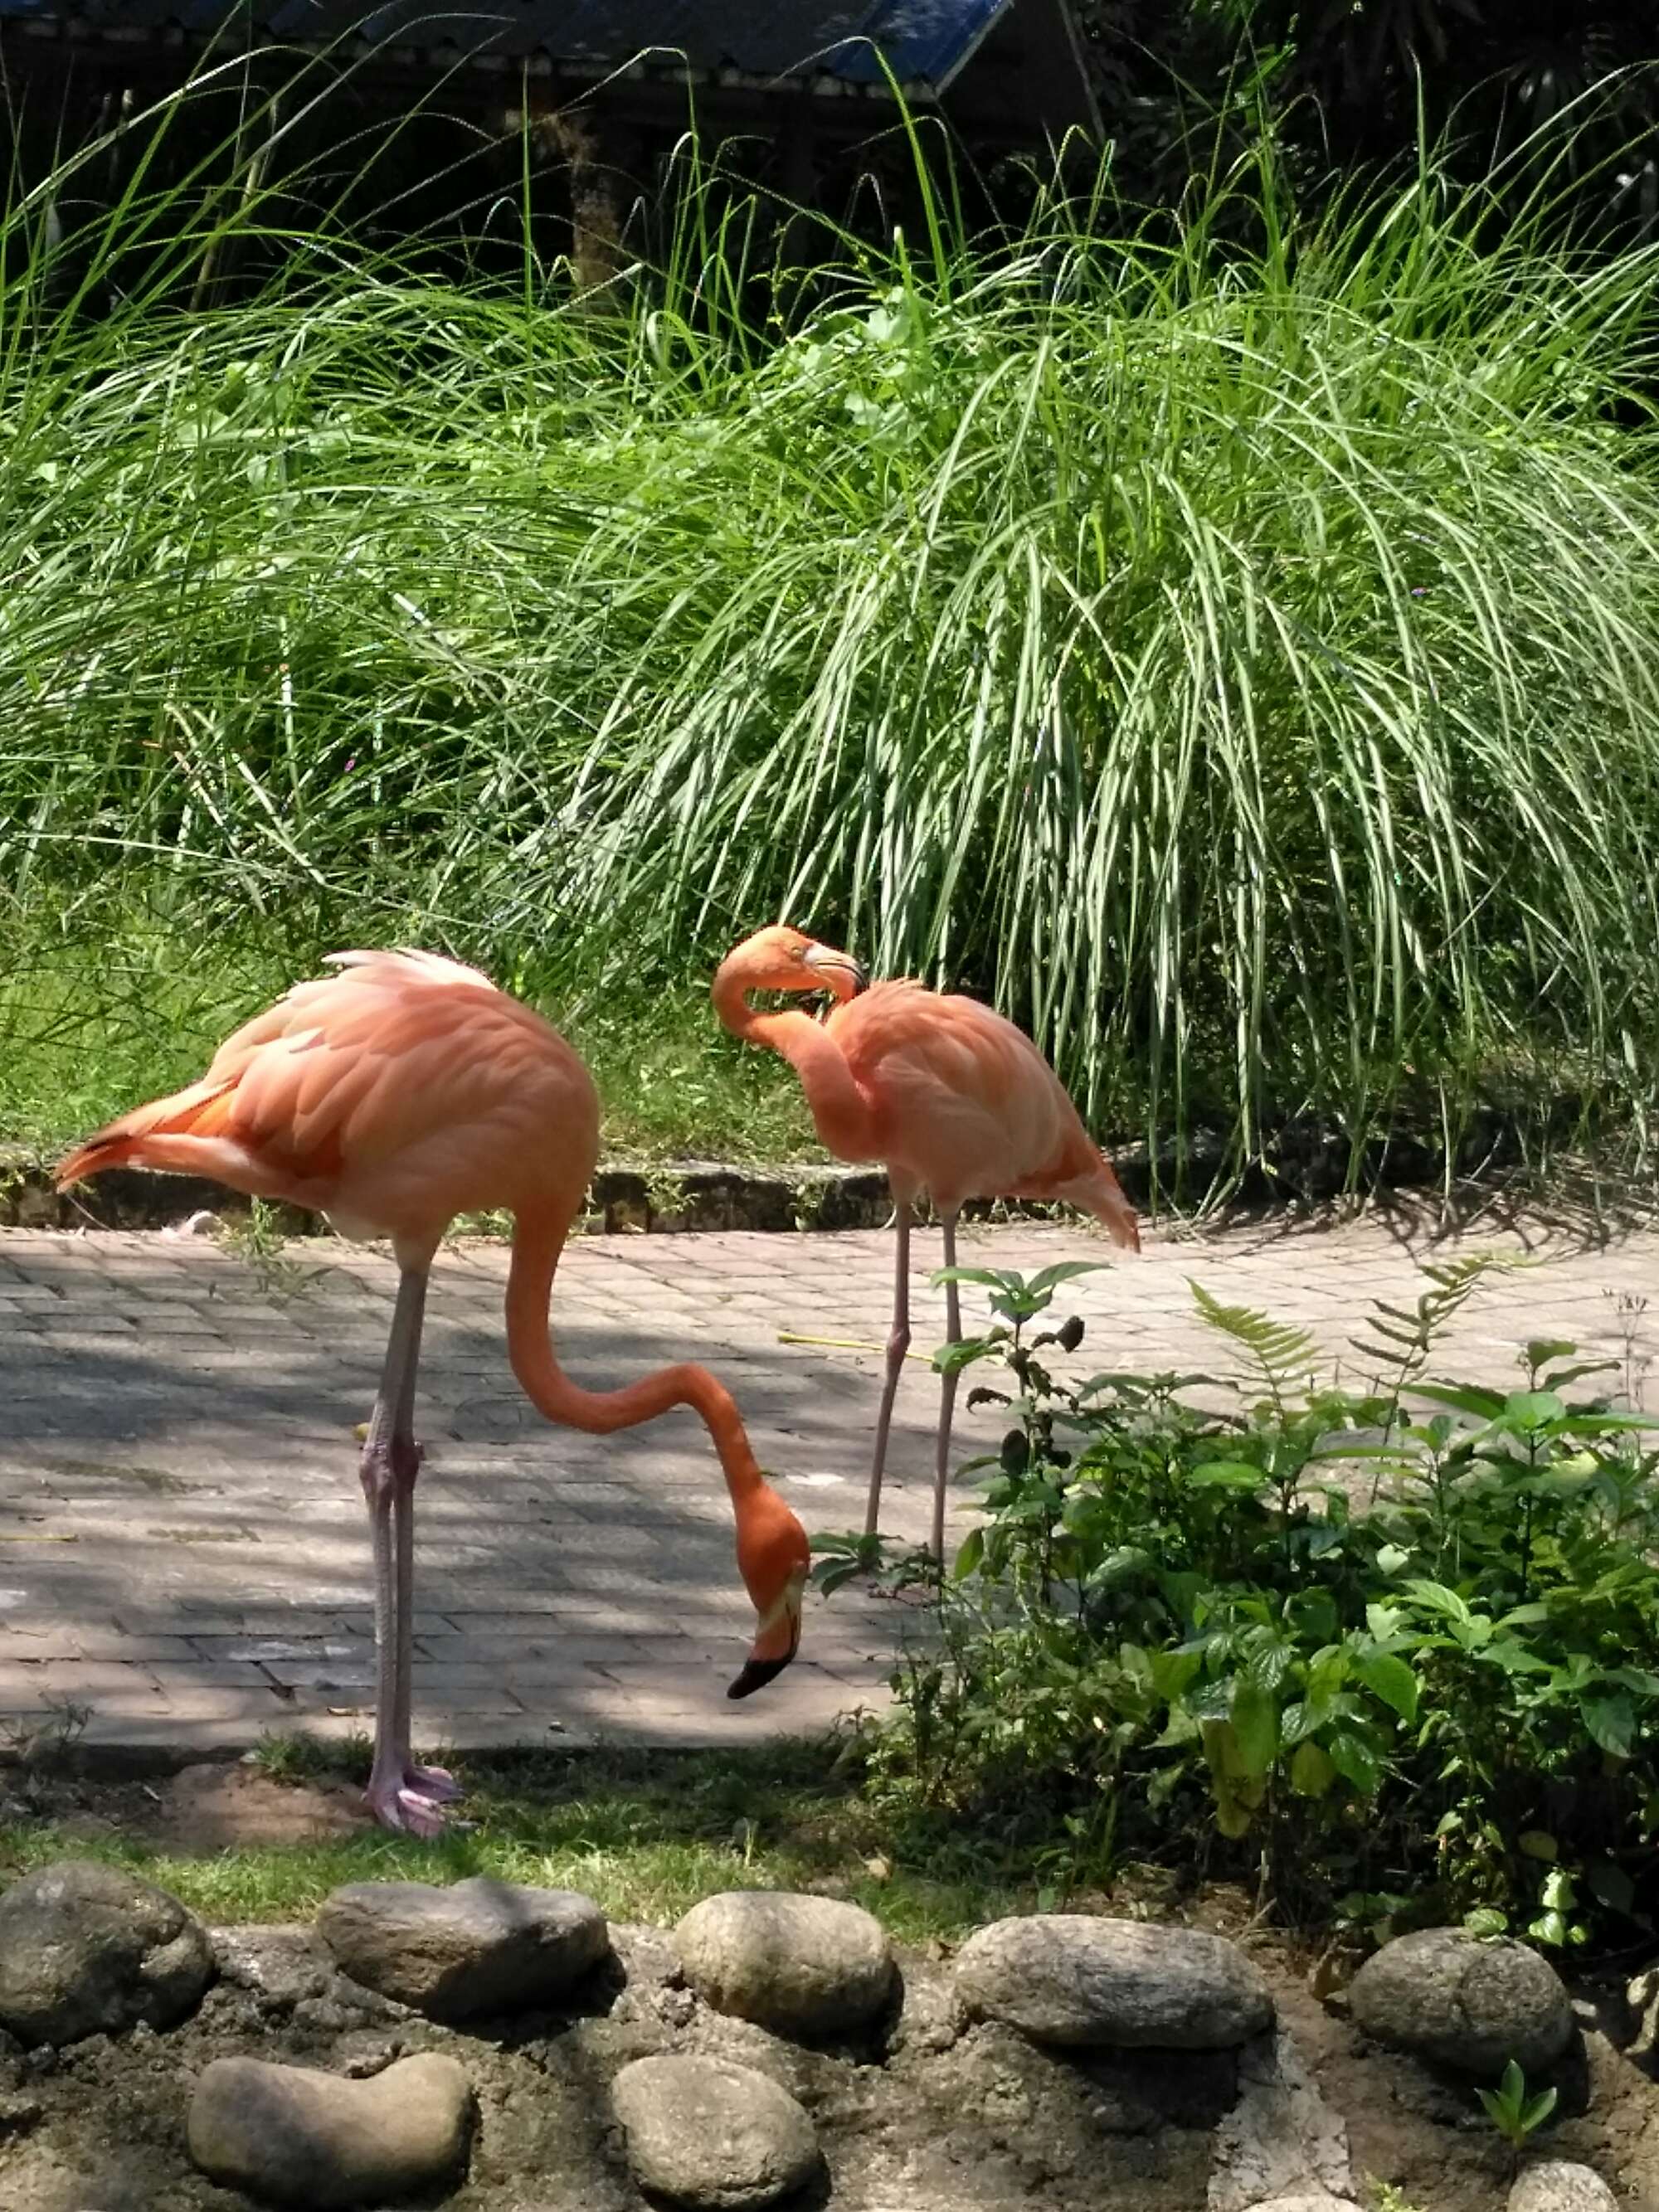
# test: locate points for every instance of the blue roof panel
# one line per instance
(924, 41)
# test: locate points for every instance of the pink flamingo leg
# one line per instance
(897, 1345)
(947, 1393)
(435, 1783)
(391, 1462)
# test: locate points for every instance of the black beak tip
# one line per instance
(860, 978)
(757, 1674)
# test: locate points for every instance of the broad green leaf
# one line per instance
(1225, 1474)
(1355, 1760)
(1312, 1771)
(1388, 1676)
(1611, 1722)
(1537, 1845)
(1484, 1404)
(1255, 1715)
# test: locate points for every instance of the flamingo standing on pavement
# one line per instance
(950, 1097)
(393, 1096)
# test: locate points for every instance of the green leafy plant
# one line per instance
(1516, 2116)
(1324, 1626)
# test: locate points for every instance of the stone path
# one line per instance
(184, 1557)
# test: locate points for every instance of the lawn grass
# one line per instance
(646, 1835)
(89, 1027)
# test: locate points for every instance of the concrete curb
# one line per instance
(1301, 1165)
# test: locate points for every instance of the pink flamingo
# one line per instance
(392, 1097)
(949, 1096)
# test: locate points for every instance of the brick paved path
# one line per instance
(183, 1548)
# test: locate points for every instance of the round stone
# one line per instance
(478, 1946)
(290, 2136)
(1315, 2202)
(1555, 2185)
(1070, 1979)
(1466, 2001)
(713, 2136)
(87, 1950)
(808, 1967)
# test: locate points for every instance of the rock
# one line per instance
(1555, 2186)
(1070, 1979)
(290, 2135)
(86, 1949)
(1468, 2002)
(481, 1946)
(1317, 2203)
(277, 1965)
(714, 2136)
(1281, 2143)
(806, 1966)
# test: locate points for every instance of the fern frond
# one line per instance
(1402, 1338)
(1281, 1354)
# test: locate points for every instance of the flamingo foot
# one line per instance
(407, 1812)
(436, 1783)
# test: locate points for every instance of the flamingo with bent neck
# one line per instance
(392, 1096)
(949, 1096)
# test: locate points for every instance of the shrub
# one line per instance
(1240, 662)
(1379, 1646)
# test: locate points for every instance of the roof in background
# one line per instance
(924, 41)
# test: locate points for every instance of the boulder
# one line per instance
(87, 1950)
(1070, 1979)
(1281, 2144)
(807, 1967)
(1555, 2184)
(1316, 2203)
(290, 2135)
(1469, 2002)
(713, 2136)
(478, 1948)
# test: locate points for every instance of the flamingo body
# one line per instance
(949, 1096)
(398, 1092)
(963, 1105)
(392, 1096)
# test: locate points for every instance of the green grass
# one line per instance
(1241, 661)
(645, 1837)
(89, 1027)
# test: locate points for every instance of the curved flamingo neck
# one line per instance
(537, 1242)
(840, 1112)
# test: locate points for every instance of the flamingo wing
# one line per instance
(965, 1102)
(388, 1090)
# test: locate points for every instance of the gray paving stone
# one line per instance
(192, 1433)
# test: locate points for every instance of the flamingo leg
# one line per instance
(435, 1783)
(947, 1392)
(391, 1462)
(897, 1345)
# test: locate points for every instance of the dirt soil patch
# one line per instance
(928, 2113)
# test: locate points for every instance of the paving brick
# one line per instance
(194, 1437)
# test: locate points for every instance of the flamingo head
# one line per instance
(783, 959)
(772, 1558)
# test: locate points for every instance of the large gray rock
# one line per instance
(481, 1946)
(799, 1966)
(1317, 2203)
(1069, 1979)
(86, 1949)
(1555, 2186)
(711, 2135)
(1467, 2002)
(290, 2136)
(1281, 2145)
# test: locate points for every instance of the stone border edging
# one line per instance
(1301, 1165)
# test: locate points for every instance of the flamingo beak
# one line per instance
(773, 1648)
(826, 961)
